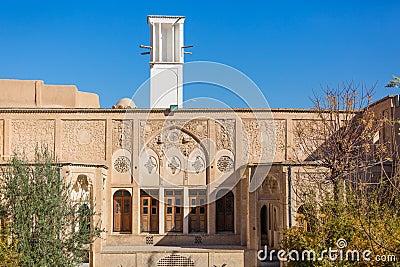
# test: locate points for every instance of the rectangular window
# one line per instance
(177, 210)
(193, 211)
(169, 210)
(202, 210)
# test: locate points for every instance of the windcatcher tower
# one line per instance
(166, 60)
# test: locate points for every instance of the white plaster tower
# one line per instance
(166, 60)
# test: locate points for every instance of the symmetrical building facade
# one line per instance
(190, 187)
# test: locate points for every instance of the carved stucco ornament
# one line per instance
(225, 164)
(122, 164)
(225, 130)
(151, 164)
(198, 164)
(174, 164)
(122, 134)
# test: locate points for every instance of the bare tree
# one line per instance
(356, 196)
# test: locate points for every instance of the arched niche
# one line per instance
(121, 167)
(197, 167)
(81, 188)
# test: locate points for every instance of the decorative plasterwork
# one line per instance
(151, 164)
(264, 140)
(225, 131)
(161, 135)
(187, 144)
(225, 164)
(197, 128)
(174, 164)
(199, 164)
(122, 164)
(122, 135)
(83, 140)
(281, 139)
(270, 186)
(308, 135)
(28, 134)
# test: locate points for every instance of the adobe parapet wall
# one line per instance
(36, 94)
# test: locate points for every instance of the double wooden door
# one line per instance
(122, 211)
(225, 213)
(198, 211)
(173, 211)
(148, 213)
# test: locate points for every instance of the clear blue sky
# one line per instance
(288, 48)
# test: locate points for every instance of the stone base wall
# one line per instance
(173, 258)
(191, 240)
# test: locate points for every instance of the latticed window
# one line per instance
(175, 261)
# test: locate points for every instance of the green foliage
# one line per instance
(46, 226)
(373, 226)
(356, 194)
(8, 256)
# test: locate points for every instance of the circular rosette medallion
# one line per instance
(225, 164)
(122, 164)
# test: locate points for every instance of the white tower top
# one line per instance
(166, 39)
(166, 60)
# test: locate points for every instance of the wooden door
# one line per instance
(145, 214)
(127, 214)
(178, 214)
(154, 216)
(117, 214)
(198, 211)
(148, 214)
(169, 214)
(122, 206)
(173, 211)
(225, 213)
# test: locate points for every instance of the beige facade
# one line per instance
(36, 94)
(196, 187)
